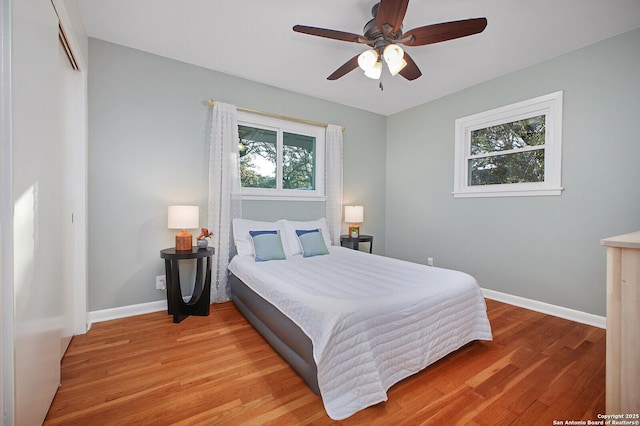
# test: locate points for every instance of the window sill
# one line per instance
(281, 197)
(514, 193)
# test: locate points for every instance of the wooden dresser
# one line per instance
(623, 324)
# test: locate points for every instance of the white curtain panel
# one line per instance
(333, 181)
(225, 203)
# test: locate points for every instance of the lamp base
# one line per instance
(354, 230)
(183, 241)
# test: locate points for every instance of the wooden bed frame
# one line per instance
(286, 338)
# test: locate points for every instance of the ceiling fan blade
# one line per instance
(332, 34)
(347, 67)
(444, 31)
(411, 71)
(391, 12)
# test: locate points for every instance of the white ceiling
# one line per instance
(254, 39)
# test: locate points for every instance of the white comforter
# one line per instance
(373, 320)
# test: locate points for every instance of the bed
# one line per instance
(351, 324)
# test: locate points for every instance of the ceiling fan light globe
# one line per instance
(393, 54)
(368, 60)
(374, 72)
(397, 67)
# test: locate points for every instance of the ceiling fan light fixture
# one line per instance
(368, 60)
(393, 54)
(394, 57)
(375, 71)
(395, 68)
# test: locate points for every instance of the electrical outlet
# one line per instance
(161, 282)
(429, 261)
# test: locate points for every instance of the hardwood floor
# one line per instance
(217, 370)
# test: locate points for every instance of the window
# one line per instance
(280, 158)
(510, 151)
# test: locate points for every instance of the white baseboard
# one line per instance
(126, 311)
(534, 305)
(546, 308)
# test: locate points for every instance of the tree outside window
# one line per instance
(508, 153)
(280, 159)
(514, 150)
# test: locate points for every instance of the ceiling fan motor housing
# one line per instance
(376, 36)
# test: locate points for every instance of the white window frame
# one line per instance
(548, 105)
(280, 126)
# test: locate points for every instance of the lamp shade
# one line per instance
(370, 64)
(395, 68)
(393, 54)
(353, 214)
(374, 72)
(394, 57)
(367, 59)
(183, 217)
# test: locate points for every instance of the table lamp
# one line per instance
(183, 217)
(354, 215)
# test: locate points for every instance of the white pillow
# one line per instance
(242, 239)
(291, 241)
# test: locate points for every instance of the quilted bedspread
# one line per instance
(373, 320)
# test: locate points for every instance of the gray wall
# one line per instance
(149, 128)
(543, 248)
(149, 135)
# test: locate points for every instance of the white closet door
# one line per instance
(67, 110)
(39, 190)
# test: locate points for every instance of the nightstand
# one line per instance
(199, 302)
(355, 241)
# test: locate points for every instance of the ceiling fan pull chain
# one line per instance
(381, 77)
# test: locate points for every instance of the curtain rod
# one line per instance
(284, 117)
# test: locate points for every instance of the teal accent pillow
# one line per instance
(312, 242)
(267, 245)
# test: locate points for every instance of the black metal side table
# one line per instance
(355, 241)
(199, 302)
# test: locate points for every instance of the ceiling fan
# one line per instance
(384, 34)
